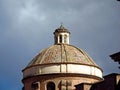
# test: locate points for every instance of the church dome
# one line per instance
(62, 53)
(62, 58)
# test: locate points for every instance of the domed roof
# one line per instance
(62, 58)
(62, 53)
(61, 29)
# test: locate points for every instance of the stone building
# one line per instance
(110, 82)
(64, 67)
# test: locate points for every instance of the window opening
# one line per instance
(35, 86)
(65, 38)
(50, 86)
(60, 38)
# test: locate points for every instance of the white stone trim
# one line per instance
(62, 68)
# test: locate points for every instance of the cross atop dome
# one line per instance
(61, 35)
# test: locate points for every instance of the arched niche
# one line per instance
(50, 86)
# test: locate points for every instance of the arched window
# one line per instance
(50, 86)
(56, 40)
(35, 86)
(65, 38)
(60, 39)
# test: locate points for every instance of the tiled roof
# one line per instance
(62, 53)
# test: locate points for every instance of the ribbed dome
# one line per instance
(62, 53)
(62, 64)
(62, 58)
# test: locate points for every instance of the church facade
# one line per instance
(62, 67)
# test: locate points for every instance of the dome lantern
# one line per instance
(61, 35)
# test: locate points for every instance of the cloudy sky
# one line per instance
(27, 26)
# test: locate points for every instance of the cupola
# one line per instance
(61, 35)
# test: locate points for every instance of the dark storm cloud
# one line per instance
(27, 26)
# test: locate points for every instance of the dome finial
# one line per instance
(61, 23)
(61, 26)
